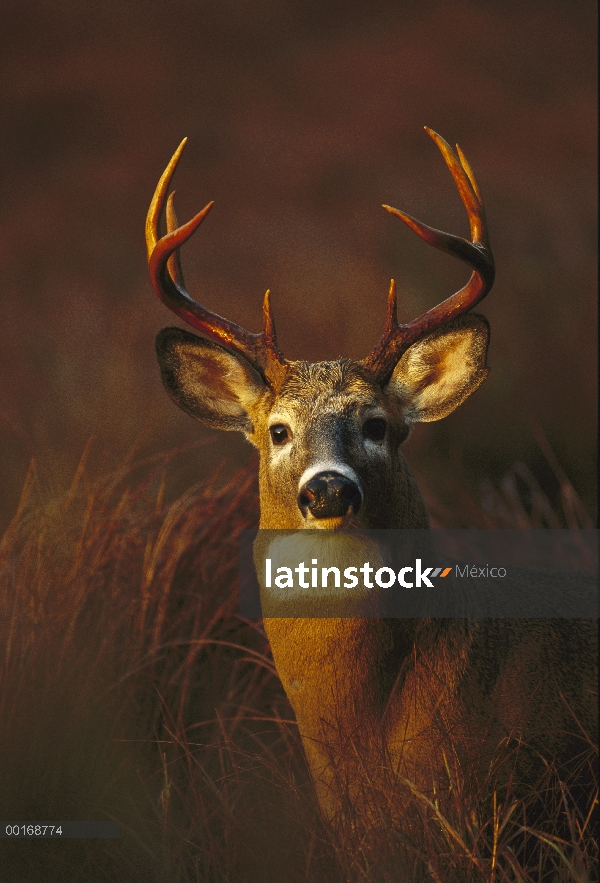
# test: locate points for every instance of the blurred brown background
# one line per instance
(302, 119)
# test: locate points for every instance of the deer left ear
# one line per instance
(436, 374)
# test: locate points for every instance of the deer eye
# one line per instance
(279, 433)
(374, 429)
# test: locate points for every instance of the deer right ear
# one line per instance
(436, 374)
(208, 382)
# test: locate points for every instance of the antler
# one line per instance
(164, 266)
(397, 338)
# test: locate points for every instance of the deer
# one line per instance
(329, 436)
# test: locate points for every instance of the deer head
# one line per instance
(329, 433)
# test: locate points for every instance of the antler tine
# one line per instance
(174, 263)
(477, 254)
(166, 276)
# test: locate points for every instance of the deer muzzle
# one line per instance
(329, 495)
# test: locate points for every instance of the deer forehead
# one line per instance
(317, 392)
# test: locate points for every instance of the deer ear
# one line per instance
(436, 374)
(213, 385)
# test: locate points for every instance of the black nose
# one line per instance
(329, 495)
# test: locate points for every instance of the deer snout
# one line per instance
(329, 495)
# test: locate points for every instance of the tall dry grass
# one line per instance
(130, 689)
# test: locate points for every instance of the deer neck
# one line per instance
(338, 673)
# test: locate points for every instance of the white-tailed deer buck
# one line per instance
(329, 436)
